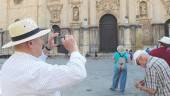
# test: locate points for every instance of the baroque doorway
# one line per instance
(108, 33)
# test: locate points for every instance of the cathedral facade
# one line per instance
(98, 25)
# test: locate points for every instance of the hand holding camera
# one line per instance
(66, 41)
(70, 43)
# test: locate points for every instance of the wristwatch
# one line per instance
(47, 48)
(141, 88)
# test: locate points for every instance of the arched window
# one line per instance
(143, 9)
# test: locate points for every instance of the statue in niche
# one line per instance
(75, 13)
(143, 8)
(168, 11)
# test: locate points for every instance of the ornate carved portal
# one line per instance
(108, 33)
(55, 7)
(106, 5)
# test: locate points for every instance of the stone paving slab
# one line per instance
(99, 78)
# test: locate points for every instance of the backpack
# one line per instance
(122, 60)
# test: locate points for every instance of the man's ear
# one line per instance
(29, 44)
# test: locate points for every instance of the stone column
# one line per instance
(133, 31)
(158, 32)
(122, 11)
(85, 37)
(93, 39)
(65, 14)
(85, 25)
(4, 14)
(84, 10)
(127, 37)
(76, 32)
(132, 11)
(139, 41)
(158, 11)
(124, 7)
(65, 28)
(93, 13)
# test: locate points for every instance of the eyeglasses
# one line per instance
(137, 61)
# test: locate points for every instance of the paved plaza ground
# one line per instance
(99, 78)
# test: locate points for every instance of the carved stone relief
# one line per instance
(105, 5)
(55, 7)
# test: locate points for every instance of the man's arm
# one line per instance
(150, 82)
(147, 90)
(47, 48)
(49, 77)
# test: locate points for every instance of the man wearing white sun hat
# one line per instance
(163, 51)
(24, 74)
(157, 74)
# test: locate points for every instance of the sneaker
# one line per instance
(112, 89)
(122, 93)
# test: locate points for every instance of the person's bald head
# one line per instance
(141, 57)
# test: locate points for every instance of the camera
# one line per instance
(57, 40)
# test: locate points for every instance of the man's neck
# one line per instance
(25, 51)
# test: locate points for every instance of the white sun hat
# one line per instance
(137, 54)
(22, 31)
(165, 40)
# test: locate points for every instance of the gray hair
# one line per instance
(120, 48)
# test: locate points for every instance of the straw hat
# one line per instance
(22, 31)
(165, 40)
